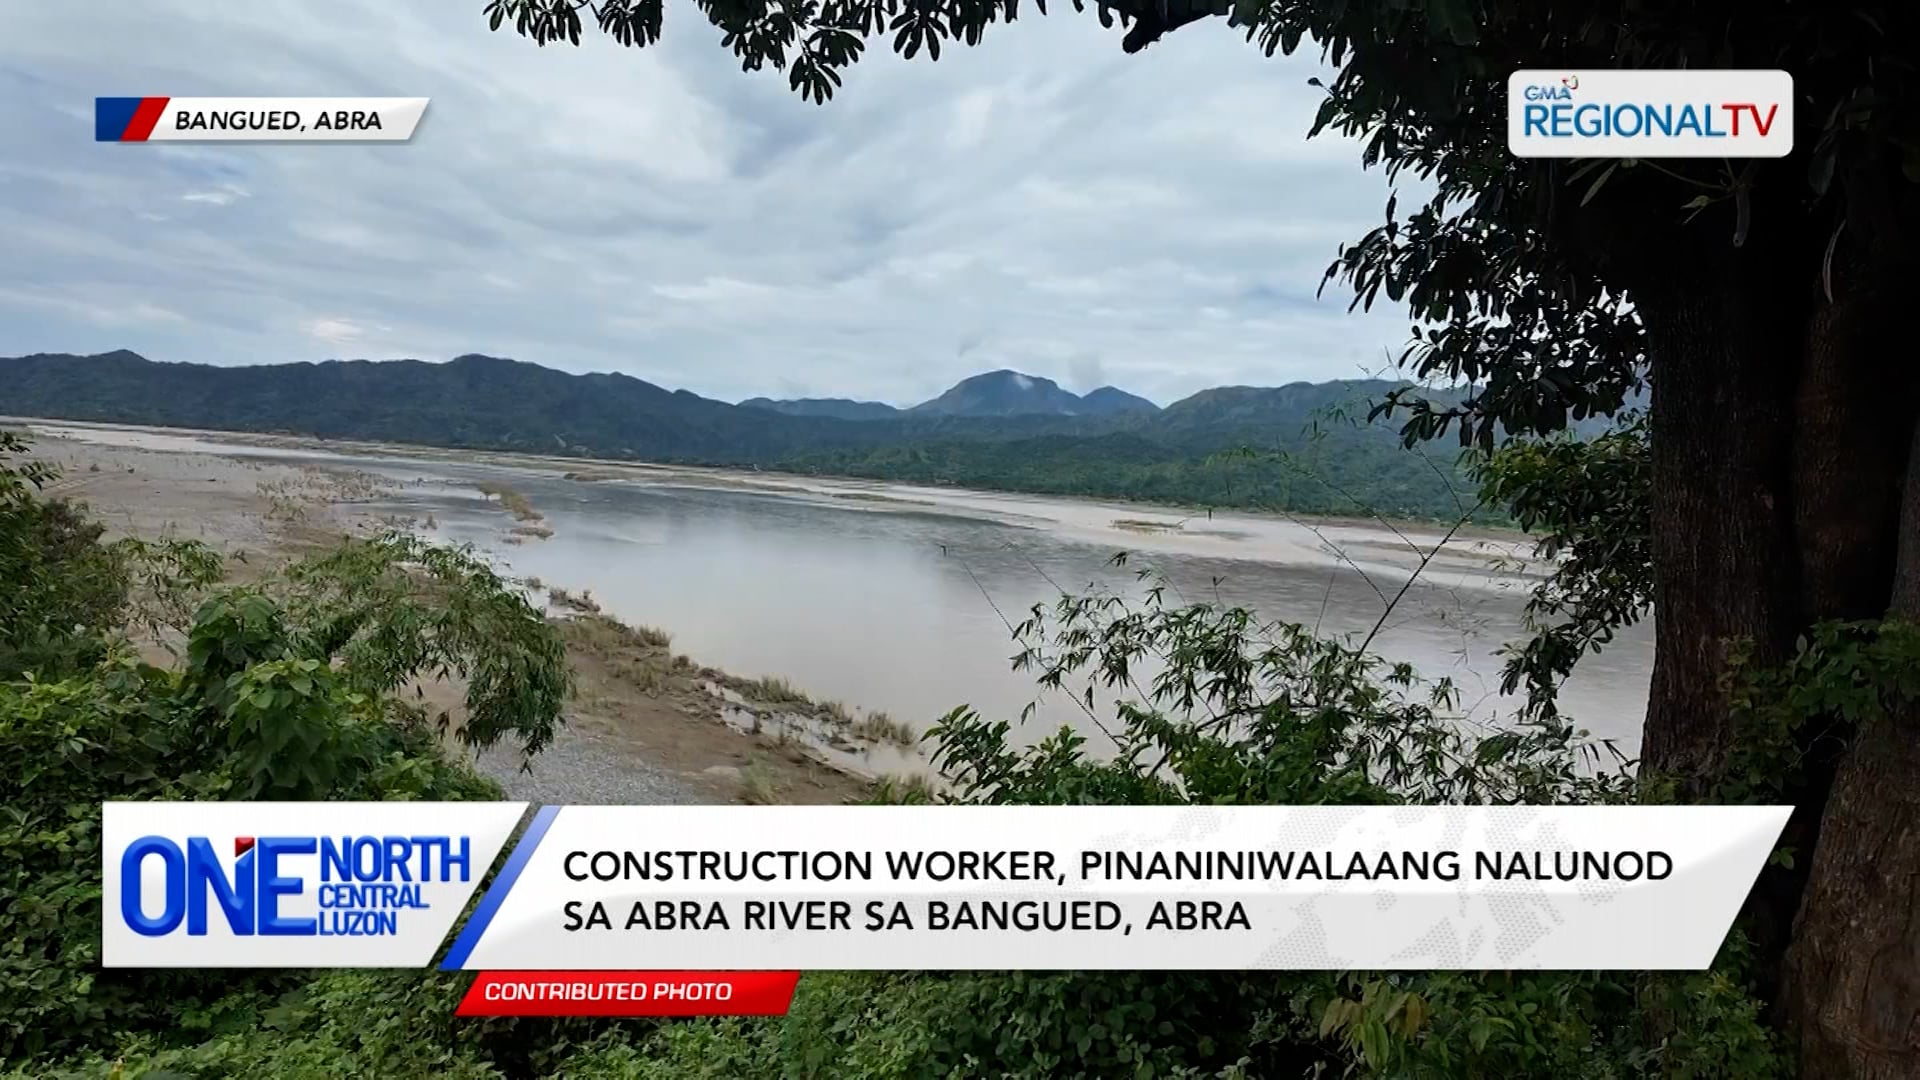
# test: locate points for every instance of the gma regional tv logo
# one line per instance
(1650, 114)
(291, 884)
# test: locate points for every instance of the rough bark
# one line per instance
(1854, 970)
(1726, 360)
(1723, 373)
(1852, 992)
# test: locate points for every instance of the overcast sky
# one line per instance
(1042, 202)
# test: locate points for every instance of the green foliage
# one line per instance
(131, 731)
(1587, 505)
(337, 1024)
(61, 590)
(395, 609)
(252, 712)
(168, 578)
(67, 592)
(1355, 472)
(1841, 676)
(1216, 708)
(966, 1024)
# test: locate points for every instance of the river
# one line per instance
(894, 597)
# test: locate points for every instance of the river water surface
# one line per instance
(892, 597)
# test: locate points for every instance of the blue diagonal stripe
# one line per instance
(111, 115)
(497, 892)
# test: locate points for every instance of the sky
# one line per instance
(1041, 202)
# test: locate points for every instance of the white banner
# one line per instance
(276, 119)
(1056, 888)
(297, 885)
(1650, 114)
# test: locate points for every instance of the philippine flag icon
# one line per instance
(126, 119)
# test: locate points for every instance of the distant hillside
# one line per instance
(472, 401)
(1109, 400)
(1004, 393)
(1107, 446)
(1310, 452)
(994, 394)
(836, 408)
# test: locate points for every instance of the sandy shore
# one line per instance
(645, 726)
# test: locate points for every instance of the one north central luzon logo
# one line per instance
(1556, 110)
(365, 884)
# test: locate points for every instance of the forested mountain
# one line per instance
(1003, 393)
(1112, 399)
(837, 408)
(996, 393)
(485, 402)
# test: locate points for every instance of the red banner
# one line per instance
(630, 993)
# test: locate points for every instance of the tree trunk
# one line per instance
(1787, 492)
(1852, 990)
(1726, 566)
(1722, 509)
(1854, 970)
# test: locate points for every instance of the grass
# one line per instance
(881, 728)
(606, 634)
(582, 601)
(645, 677)
(756, 785)
(776, 691)
(654, 636)
(771, 690)
(903, 789)
(511, 499)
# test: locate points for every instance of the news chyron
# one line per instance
(677, 891)
(162, 118)
(1650, 114)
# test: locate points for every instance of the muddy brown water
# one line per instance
(892, 597)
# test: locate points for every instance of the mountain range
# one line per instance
(996, 393)
(1001, 429)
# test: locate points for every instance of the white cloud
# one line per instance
(1041, 202)
(718, 291)
(971, 114)
(337, 331)
(224, 195)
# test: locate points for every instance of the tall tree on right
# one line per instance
(1766, 301)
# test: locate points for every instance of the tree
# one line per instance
(1762, 299)
(287, 690)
